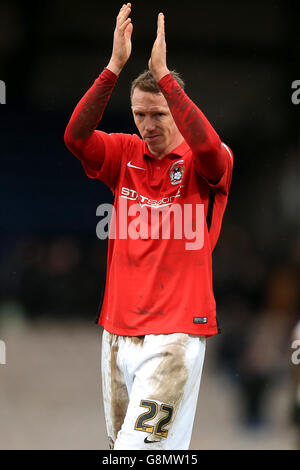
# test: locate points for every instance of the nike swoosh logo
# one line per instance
(149, 442)
(133, 166)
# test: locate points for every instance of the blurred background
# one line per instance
(239, 60)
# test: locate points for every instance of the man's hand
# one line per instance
(122, 40)
(158, 60)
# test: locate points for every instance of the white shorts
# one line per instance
(150, 389)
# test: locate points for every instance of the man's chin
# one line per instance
(157, 150)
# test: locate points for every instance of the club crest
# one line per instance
(176, 172)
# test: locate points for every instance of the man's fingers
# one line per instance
(122, 19)
(124, 25)
(123, 14)
(160, 25)
(120, 12)
(124, 6)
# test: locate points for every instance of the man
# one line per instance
(158, 306)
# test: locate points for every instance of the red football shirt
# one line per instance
(167, 215)
(156, 285)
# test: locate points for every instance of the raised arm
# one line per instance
(80, 133)
(210, 159)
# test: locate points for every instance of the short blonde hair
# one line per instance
(146, 82)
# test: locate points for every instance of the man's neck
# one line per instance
(160, 155)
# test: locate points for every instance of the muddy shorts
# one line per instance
(150, 389)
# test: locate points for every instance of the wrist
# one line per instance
(114, 67)
(159, 74)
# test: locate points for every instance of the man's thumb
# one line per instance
(128, 30)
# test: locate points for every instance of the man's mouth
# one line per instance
(151, 137)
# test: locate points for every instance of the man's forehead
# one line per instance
(145, 99)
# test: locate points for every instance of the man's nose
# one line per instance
(149, 124)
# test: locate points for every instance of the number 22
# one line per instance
(152, 406)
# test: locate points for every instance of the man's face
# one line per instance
(155, 122)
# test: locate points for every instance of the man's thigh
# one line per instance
(164, 393)
(114, 390)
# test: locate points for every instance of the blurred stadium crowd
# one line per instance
(52, 264)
